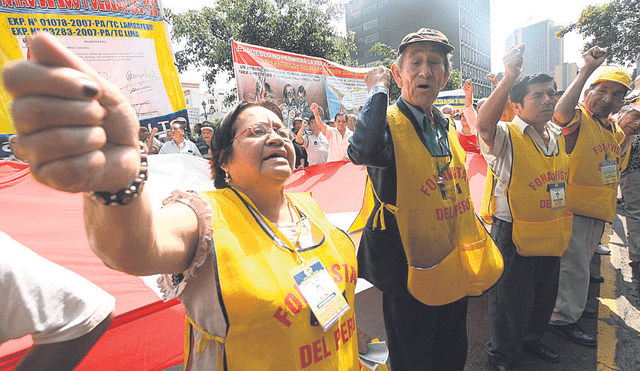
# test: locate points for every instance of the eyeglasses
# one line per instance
(262, 130)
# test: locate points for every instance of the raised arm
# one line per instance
(491, 111)
(566, 106)
(321, 124)
(370, 143)
(469, 112)
(152, 135)
(493, 79)
(467, 88)
(80, 134)
(299, 138)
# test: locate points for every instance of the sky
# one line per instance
(506, 17)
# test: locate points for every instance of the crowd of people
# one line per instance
(246, 259)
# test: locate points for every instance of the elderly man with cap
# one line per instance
(593, 142)
(204, 140)
(421, 244)
(178, 142)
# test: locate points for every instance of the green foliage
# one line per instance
(297, 26)
(615, 25)
(455, 81)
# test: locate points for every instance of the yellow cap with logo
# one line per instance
(616, 74)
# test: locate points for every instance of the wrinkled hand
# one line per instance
(314, 109)
(76, 130)
(595, 56)
(363, 340)
(378, 75)
(492, 78)
(467, 87)
(513, 60)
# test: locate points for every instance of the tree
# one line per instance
(615, 25)
(297, 26)
(390, 56)
(455, 81)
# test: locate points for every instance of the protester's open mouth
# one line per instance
(424, 86)
(279, 154)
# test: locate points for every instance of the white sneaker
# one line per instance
(603, 250)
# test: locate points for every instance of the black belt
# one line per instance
(499, 222)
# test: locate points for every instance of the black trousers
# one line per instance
(425, 338)
(521, 303)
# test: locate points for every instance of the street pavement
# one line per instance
(617, 327)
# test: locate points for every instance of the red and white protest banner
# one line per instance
(296, 81)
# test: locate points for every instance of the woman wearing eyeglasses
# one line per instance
(245, 260)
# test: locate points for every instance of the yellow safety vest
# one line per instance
(269, 322)
(586, 192)
(538, 230)
(449, 252)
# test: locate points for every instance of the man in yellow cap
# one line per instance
(593, 142)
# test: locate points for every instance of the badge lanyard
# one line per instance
(556, 191)
(440, 181)
(273, 231)
(608, 168)
(315, 284)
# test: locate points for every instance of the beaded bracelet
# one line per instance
(125, 195)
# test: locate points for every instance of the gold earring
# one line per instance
(227, 178)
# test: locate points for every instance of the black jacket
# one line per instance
(381, 257)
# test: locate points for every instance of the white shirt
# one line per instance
(317, 148)
(501, 158)
(187, 148)
(44, 299)
(337, 143)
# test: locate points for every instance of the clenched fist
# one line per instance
(76, 130)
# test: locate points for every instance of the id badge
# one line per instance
(609, 172)
(558, 200)
(321, 292)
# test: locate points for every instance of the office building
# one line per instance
(565, 73)
(543, 52)
(465, 22)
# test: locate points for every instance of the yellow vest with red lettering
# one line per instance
(538, 230)
(587, 194)
(269, 322)
(449, 252)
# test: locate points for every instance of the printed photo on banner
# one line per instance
(296, 81)
(125, 42)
